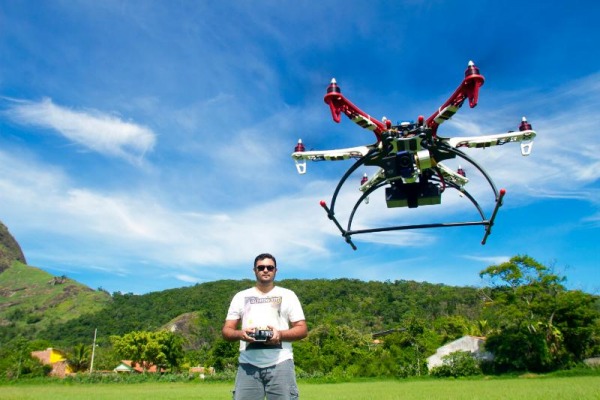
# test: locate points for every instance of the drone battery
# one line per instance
(402, 196)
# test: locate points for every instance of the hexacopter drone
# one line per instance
(409, 156)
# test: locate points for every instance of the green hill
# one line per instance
(32, 300)
(198, 312)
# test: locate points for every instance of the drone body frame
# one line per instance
(409, 156)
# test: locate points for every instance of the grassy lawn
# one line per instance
(543, 388)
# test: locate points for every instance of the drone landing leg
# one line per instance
(488, 229)
(336, 222)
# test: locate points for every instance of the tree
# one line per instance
(16, 360)
(224, 355)
(538, 324)
(79, 358)
(451, 327)
(411, 346)
(105, 357)
(149, 349)
(333, 349)
(172, 348)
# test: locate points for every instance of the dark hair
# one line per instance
(263, 256)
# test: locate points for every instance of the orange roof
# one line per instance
(138, 368)
(56, 358)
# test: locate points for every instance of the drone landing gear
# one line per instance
(401, 199)
(488, 226)
(347, 233)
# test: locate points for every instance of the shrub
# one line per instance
(457, 364)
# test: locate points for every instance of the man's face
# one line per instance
(265, 270)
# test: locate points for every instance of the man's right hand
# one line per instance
(246, 335)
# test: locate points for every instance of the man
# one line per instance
(266, 365)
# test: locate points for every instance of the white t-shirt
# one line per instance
(277, 308)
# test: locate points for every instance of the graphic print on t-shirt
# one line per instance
(260, 312)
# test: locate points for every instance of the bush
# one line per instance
(457, 364)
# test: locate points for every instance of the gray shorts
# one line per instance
(277, 382)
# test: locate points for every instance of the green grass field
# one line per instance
(543, 388)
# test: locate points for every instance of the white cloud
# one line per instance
(489, 260)
(187, 278)
(97, 131)
(139, 226)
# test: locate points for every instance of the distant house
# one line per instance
(128, 366)
(122, 367)
(471, 344)
(57, 359)
(593, 362)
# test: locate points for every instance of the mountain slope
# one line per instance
(9, 249)
(32, 300)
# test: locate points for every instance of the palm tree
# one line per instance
(79, 358)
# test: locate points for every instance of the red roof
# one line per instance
(138, 368)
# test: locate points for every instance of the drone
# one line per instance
(410, 158)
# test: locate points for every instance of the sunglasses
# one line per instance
(267, 267)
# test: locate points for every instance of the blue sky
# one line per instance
(146, 145)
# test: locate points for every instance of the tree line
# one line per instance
(531, 322)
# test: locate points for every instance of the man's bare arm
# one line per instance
(231, 333)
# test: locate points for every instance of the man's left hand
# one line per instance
(276, 338)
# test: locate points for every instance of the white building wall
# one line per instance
(472, 344)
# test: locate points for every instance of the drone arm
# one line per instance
(373, 181)
(332, 155)
(451, 176)
(525, 137)
(479, 167)
(468, 89)
(300, 157)
(336, 112)
(339, 104)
